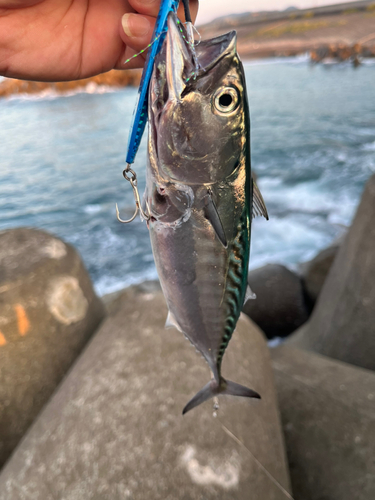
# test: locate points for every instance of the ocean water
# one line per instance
(313, 148)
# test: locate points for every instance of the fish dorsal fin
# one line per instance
(212, 215)
(259, 207)
(250, 295)
(172, 322)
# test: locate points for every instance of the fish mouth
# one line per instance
(186, 63)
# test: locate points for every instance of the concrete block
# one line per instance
(114, 429)
(328, 414)
(342, 323)
(280, 307)
(48, 311)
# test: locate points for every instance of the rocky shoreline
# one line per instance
(319, 52)
(341, 52)
(115, 79)
(91, 394)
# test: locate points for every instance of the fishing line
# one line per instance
(143, 50)
(260, 465)
(187, 11)
(192, 44)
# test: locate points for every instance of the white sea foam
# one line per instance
(306, 197)
(368, 61)
(369, 147)
(49, 94)
(110, 284)
(92, 209)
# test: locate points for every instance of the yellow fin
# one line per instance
(259, 207)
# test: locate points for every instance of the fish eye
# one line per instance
(226, 100)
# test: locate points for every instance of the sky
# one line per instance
(210, 9)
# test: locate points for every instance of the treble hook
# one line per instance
(138, 207)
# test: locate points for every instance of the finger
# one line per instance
(146, 7)
(152, 7)
(128, 61)
(137, 30)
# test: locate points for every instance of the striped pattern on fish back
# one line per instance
(236, 282)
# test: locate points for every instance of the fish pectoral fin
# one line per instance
(212, 389)
(259, 206)
(250, 295)
(212, 215)
(172, 322)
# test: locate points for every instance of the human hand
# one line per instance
(59, 40)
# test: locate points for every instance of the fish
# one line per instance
(200, 194)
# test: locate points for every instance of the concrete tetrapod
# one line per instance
(315, 272)
(342, 323)
(48, 311)
(328, 414)
(280, 306)
(114, 429)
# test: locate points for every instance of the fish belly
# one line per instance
(192, 265)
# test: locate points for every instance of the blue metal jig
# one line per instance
(140, 112)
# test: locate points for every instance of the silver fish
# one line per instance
(200, 194)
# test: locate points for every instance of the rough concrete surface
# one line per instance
(279, 308)
(315, 272)
(342, 323)
(48, 311)
(328, 414)
(114, 429)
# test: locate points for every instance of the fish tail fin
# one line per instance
(212, 389)
(203, 395)
(233, 389)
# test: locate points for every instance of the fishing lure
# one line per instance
(140, 112)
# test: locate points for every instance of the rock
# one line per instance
(315, 272)
(114, 429)
(328, 415)
(113, 301)
(114, 78)
(280, 306)
(342, 323)
(48, 311)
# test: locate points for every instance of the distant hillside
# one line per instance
(297, 31)
(245, 18)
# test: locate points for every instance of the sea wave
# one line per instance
(92, 209)
(313, 142)
(369, 146)
(50, 94)
(111, 284)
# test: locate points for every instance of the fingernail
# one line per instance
(135, 25)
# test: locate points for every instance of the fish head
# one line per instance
(199, 121)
